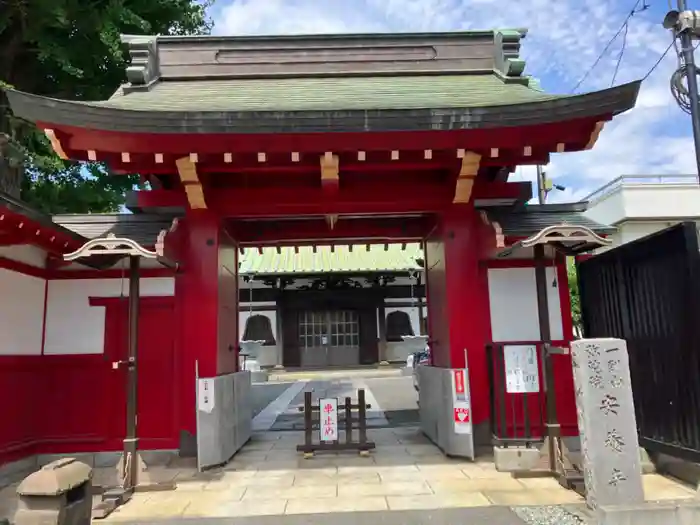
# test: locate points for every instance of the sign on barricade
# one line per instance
(324, 416)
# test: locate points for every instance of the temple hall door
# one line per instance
(329, 338)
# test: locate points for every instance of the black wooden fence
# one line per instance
(648, 293)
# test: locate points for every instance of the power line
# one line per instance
(619, 57)
(635, 9)
(656, 64)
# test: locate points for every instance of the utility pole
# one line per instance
(541, 186)
(689, 60)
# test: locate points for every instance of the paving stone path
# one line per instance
(406, 480)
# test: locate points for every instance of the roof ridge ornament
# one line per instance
(145, 67)
(507, 59)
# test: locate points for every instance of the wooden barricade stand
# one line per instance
(362, 444)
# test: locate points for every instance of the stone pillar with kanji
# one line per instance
(606, 421)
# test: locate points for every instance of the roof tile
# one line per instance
(331, 93)
(360, 259)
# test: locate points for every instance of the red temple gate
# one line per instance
(359, 142)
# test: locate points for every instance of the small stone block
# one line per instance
(308, 455)
(155, 487)
(651, 513)
(515, 459)
(103, 509)
(364, 453)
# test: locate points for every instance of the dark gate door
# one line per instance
(647, 292)
(329, 338)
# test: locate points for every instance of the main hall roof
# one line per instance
(321, 259)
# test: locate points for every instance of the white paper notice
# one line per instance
(329, 418)
(461, 402)
(205, 394)
(522, 374)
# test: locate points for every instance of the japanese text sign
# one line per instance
(329, 419)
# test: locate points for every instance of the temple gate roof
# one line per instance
(297, 84)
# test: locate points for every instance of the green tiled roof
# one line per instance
(332, 93)
(360, 259)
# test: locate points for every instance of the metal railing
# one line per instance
(604, 191)
(517, 416)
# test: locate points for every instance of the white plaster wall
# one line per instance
(513, 305)
(75, 327)
(24, 253)
(21, 313)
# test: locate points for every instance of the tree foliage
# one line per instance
(71, 49)
(575, 297)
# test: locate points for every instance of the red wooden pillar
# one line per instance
(458, 308)
(206, 292)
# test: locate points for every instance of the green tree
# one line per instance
(575, 297)
(71, 49)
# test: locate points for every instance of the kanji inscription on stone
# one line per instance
(607, 425)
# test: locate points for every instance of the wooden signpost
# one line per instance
(327, 422)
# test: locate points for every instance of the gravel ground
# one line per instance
(547, 516)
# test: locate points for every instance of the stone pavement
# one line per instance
(406, 472)
(406, 479)
(467, 516)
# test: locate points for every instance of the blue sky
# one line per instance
(565, 38)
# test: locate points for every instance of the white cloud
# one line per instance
(564, 39)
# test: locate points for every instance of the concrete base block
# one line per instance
(84, 457)
(107, 459)
(259, 376)
(515, 459)
(678, 468)
(651, 513)
(16, 470)
(648, 466)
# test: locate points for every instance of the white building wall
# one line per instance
(21, 313)
(631, 199)
(75, 327)
(666, 200)
(639, 206)
(633, 230)
(609, 209)
(513, 304)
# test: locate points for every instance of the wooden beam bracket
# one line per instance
(595, 134)
(330, 179)
(465, 180)
(187, 169)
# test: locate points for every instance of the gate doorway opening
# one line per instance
(329, 338)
